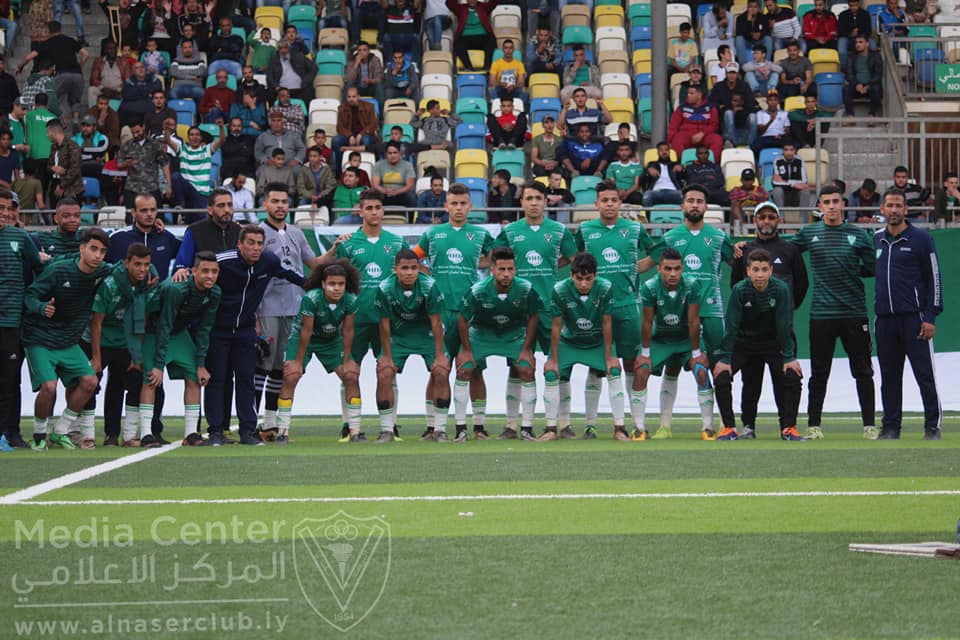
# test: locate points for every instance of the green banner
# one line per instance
(948, 78)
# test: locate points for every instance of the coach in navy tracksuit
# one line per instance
(244, 274)
(908, 300)
(163, 244)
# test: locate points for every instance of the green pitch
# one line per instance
(570, 539)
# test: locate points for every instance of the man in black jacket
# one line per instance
(853, 22)
(237, 151)
(218, 233)
(864, 72)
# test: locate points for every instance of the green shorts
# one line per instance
(181, 361)
(47, 364)
(571, 354)
(365, 338)
(451, 332)
(404, 348)
(669, 354)
(328, 352)
(626, 331)
(490, 344)
(711, 336)
(542, 343)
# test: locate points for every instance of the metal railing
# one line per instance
(917, 62)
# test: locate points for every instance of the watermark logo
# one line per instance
(342, 564)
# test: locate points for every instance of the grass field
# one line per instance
(572, 539)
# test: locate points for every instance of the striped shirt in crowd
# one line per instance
(195, 166)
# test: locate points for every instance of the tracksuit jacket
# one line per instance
(908, 275)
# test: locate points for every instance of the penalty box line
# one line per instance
(19, 497)
(496, 497)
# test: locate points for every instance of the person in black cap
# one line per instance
(748, 195)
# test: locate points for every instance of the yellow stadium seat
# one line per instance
(608, 15)
(650, 155)
(824, 61)
(621, 109)
(471, 163)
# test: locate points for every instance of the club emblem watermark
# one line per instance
(342, 564)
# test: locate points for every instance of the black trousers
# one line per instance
(755, 357)
(854, 335)
(751, 375)
(897, 340)
(11, 362)
(120, 379)
(463, 44)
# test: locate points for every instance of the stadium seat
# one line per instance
(839, 8)
(611, 131)
(577, 35)
(472, 110)
(713, 215)
(639, 14)
(815, 165)
(476, 61)
(583, 189)
(645, 116)
(506, 18)
(308, 216)
(369, 35)
(643, 84)
(583, 213)
(830, 90)
(679, 10)
(536, 129)
(472, 85)
(407, 131)
(231, 81)
(613, 61)
(733, 161)
(824, 60)
(440, 62)
(186, 110)
(925, 63)
(766, 160)
(665, 214)
(330, 62)
(333, 39)
(91, 189)
(302, 14)
(182, 131)
(513, 160)
(690, 155)
(616, 85)
(650, 155)
(399, 111)
(640, 37)
(793, 103)
(376, 105)
(471, 136)
(329, 87)
(436, 86)
(542, 107)
(112, 216)
(641, 62)
(545, 181)
(611, 38)
(478, 198)
(367, 160)
(620, 108)
(271, 17)
(574, 16)
(544, 85)
(951, 41)
(607, 15)
(436, 158)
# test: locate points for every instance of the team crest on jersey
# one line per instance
(773, 302)
(387, 249)
(623, 233)
(15, 246)
(548, 237)
(852, 240)
(708, 241)
(470, 235)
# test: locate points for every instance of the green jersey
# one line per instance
(113, 299)
(72, 291)
(177, 305)
(327, 317)
(538, 249)
(409, 310)
(35, 123)
(703, 252)
(582, 315)
(57, 243)
(624, 175)
(758, 318)
(374, 259)
(454, 256)
(504, 314)
(16, 131)
(16, 248)
(670, 307)
(617, 249)
(839, 256)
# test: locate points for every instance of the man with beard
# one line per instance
(143, 159)
(237, 151)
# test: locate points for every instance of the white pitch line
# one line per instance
(29, 493)
(494, 497)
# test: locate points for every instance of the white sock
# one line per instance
(565, 399)
(269, 419)
(353, 415)
(461, 396)
(146, 420)
(66, 422)
(429, 410)
(440, 417)
(386, 420)
(551, 402)
(591, 397)
(191, 418)
(615, 391)
(638, 407)
(513, 402)
(668, 395)
(131, 422)
(705, 399)
(40, 425)
(87, 424)
(479, 412)
(528, 403)
(284, 413)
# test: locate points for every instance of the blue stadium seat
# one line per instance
(541, 107)
(640, 37)
(91, 189)
(186, 111)
(925, 63)
(478, 197)
(471, 136)
(643, 84)
(472, 85)
(375, 103)
(767, 158)
(830, 90)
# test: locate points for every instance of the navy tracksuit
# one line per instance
(908, 293)
(233, 354)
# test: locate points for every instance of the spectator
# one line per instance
(502, 195)
(146, 229)
(803, 122)
(365, 73)
(773, 125)
(189, 32)
(509, 129)
(718, 27)
(625, 173)
(365, 14)
(353, 161)
(30, 191)
(582, 155)
(262, 51)
(544, 149)
(320, 141)
(74, 7)
(237, 151)
(722, 94)
(396, 137)
(695, 77)
(346, 197)
(661, 179)
(747, 196)
(695, 122)
(249, 83)
(15, 124)
(820, 27)
(9, 160)
(192, 183)
(108, 73)
(38, 142)
(611, 149)
(68, 57)
(243, 206)
(395, 178)
(93, 147)
(400, 78)
(251, 114)
(41, 81)
(39, 15)
(718, 72)
(761, 74)
(292, 37)
(276, 138)
(575, 112)
(401, 30)
(169, 130)
(559, 198)
(682, 51)
(154, 60)
(864, 73)
(474, 31)
(293, 114)
(544, 52)
(784, 25)
(436, 125)
(188, 73)
(160, 112)
(292, 70)
(137, 95)
(753, 28)
(920, 11)
(946, 201)
(9, 24)
(336, 17)
(852, 22)
(192, 13)
(864, 203)
(790, 188)
(708, 175)
(436, 20)
(217, 100)
(797, 74)
(316, 182)
(108, 121)
(143, 159)
(357, 125)
(278, 170)
(892, 20)
(432, 198)
(508, 76)
(580, 74)
(915, 196)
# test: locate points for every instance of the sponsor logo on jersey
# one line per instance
(439, 236)
(584, 325)
(454, 255)
(748, 305)
(359, 251)
(408, 316)
(66, 285)
(692, 261)
(501, 319)
(593, 236)
(671, 319)
(487, 305)
(611, 255)
(533, 258)
(679, 243)
(329, 328)
(519, 238)
(773, 302)
(373, 270)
